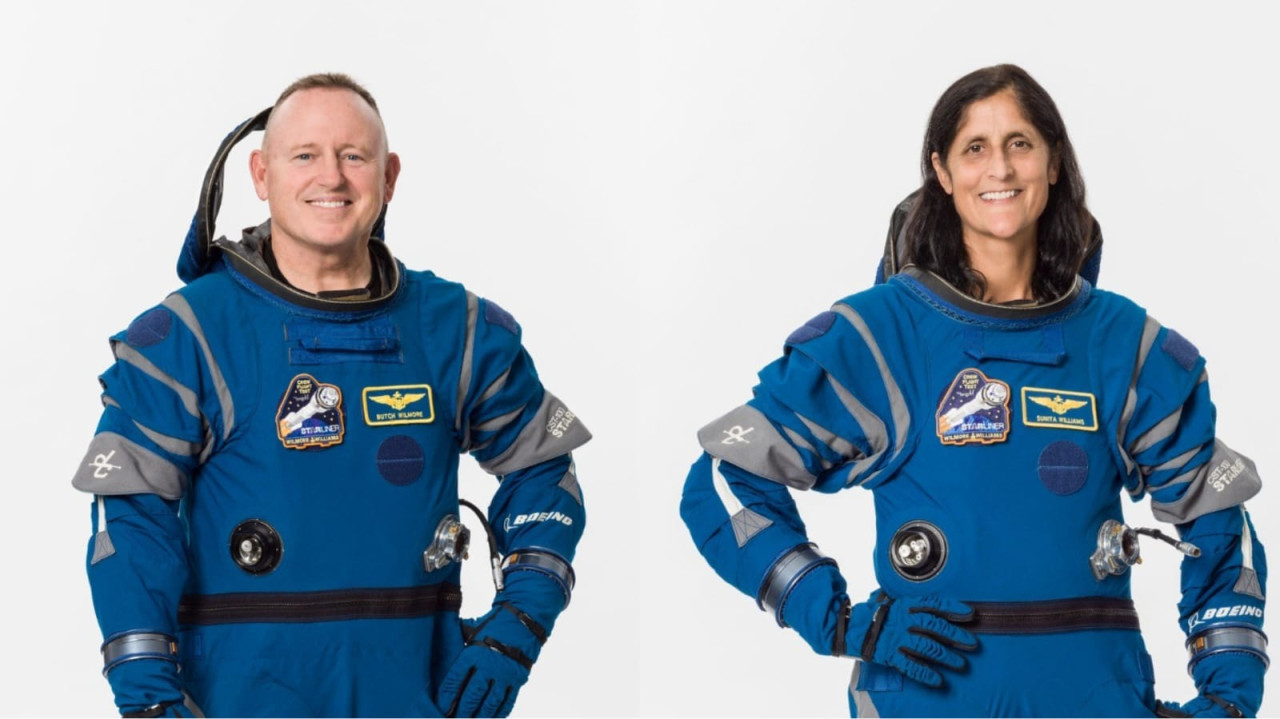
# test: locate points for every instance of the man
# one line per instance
(275, 471)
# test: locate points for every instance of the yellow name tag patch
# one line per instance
(1059, 408)
(398, 404)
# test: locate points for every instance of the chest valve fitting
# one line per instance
(1118, 548)
(450, 544)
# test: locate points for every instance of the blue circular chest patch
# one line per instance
(400, 460)
(152, 327)
(1064, 467)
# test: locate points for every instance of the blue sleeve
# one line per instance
(1170, 449)
(506, 419)
(540, 507)
(1225, 585)
(163, 413)
(743, 525)
(827, 415)
(1167, 434)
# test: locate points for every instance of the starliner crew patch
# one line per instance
(398, 404)
(1059, 408)
(974, 410)
(310, 414)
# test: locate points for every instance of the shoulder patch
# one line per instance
(495, 315)
(1180, 349)
(816, 327)
(149, 328)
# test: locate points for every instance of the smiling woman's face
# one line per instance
(998, 171)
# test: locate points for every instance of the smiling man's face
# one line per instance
(324, 170)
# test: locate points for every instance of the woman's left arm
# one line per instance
(1200, 484)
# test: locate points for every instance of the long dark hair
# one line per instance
(933, 233)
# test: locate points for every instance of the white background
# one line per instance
(660, 193)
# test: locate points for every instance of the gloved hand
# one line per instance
(1230, 685)
(914, 635)
(501, 648)
(483, 682)
(145, 683)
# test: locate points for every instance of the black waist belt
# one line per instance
(394, 603)
(1057, 615)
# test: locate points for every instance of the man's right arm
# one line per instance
(153, 434)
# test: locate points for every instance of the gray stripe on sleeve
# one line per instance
(1160, 432)
(464, 376)
(497, 423)
(836, 443)
(1149, 331)
(173, 445)
(494, 387)
(552, 431)
(129, 355)
(1226, 480)
(180, 307)
(745, 437)
(799, 440)
(1173, 463)
(116, 465)
(897, 404)
(872, 426)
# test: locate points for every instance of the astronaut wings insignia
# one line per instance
(1057, 404)
(1062, 409)
(397, 401)
(398, 404)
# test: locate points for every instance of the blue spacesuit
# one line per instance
(276, 499)
(997, 442)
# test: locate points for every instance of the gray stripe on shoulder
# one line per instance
(129, 355)
(897, 404)
(746, 438)
(552, 431)
(1149, 331)
(116, 465)
(1226, 480)
(180, 307)
(464, 376)
(872, 426)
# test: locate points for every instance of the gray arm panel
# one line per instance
(551, 432)
(1226, 480)
(115, 465)
(745, 438)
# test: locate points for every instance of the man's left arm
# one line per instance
(1199, 484)
(522, 434)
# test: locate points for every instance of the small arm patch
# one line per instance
(150, 328)
(495, 315)
(1180, 349)
(816, 327)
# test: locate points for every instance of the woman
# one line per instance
(998, 406)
